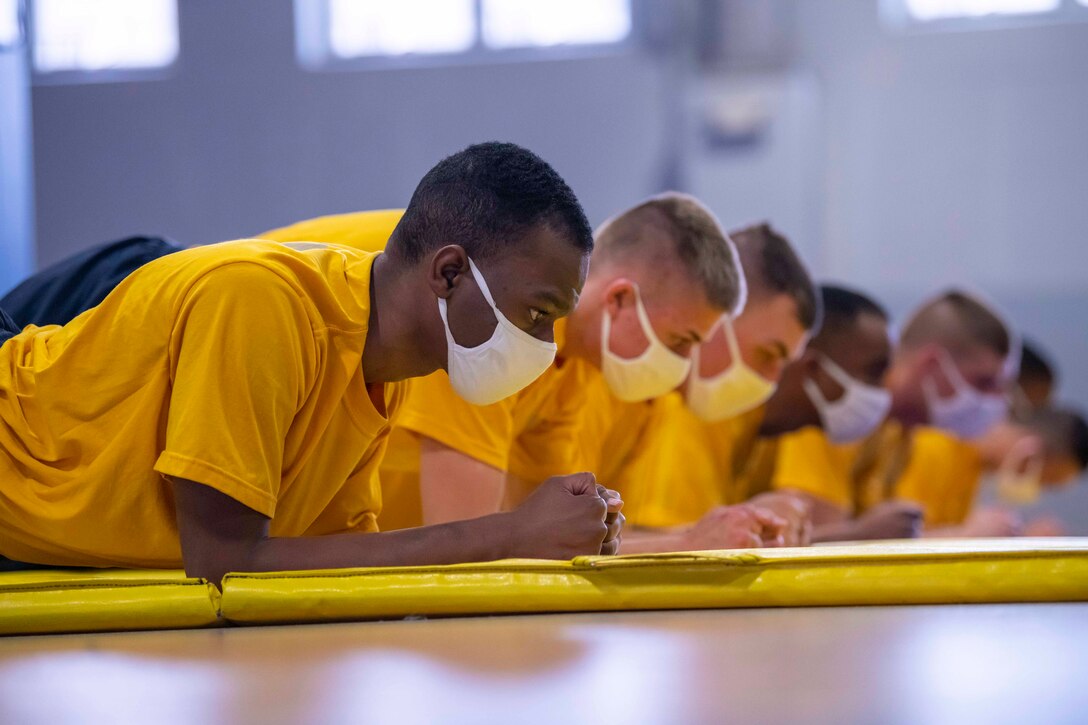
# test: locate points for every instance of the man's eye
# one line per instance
(536, 314)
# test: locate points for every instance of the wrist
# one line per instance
(502, 541)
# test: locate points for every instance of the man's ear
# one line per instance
(446, 269)
(926, 361)
(619, 293)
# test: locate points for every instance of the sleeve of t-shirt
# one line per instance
(432, 408)
(805, 463)
(241, 359)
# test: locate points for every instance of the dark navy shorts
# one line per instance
(73, 285)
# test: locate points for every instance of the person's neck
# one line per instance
(906, 408)
(787, 412)
(396, 336)
(575, 342)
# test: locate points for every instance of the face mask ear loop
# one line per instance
(606, 334)
(445, 321)
(648, 330)
(643, 317)
(694, 372)
(731, 340)
(955, 377)
(836, 372)
(482, 284)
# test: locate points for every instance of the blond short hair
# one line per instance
(957, 320)
(680, 226)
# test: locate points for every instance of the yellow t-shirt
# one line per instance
(237, 365)
(924, 465)
(682, 467)
(555, 431)
(808, 462)
(942, 475)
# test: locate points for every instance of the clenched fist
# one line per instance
(568, 516)
(743, 526)
(795, 511)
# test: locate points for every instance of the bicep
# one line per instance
(217, 533)
(455, 486)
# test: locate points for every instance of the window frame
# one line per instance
(314, 53)
(72, 76)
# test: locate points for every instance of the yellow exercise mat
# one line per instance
(914, 572)
(62, 600)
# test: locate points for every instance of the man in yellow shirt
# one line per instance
(701, 470)
(951, 370)
(682, 466)
(226, 407)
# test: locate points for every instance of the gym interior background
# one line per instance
(902, 144)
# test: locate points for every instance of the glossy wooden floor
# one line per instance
(950, 664)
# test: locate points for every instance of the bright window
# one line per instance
(337, 30)
(938, 9)
(97, 35)
(9, 22)
(939, 15)
(371, 27)
(532, 23)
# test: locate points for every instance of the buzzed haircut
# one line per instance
(772, 267)
(1035, 365)
(956, 320)
(486, 199)
(681, 226)
(841, 309)
(1063, 432)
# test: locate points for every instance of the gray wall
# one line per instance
(957, 157)
(240, 139)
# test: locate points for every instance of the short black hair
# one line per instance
(1063, 430)
(773, 267)
(1035, 364)
(842, 306)
(486, 198)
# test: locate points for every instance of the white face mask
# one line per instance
(650, 375)
(500, 367)
(857, 413)
(730, 393)
(968, 413)
(1020, 477)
